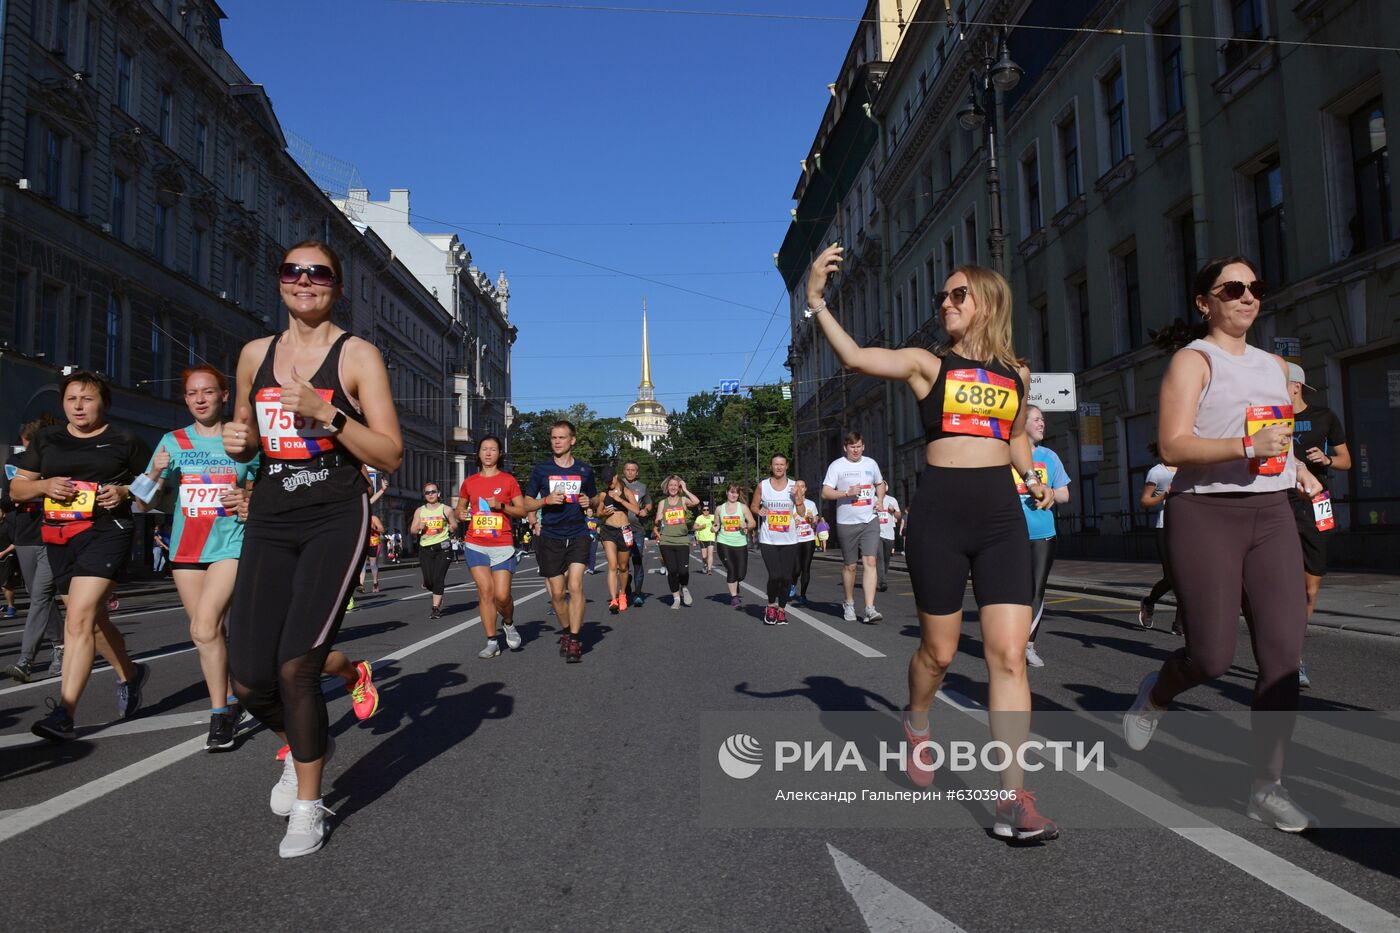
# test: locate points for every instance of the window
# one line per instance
(50, 317)
(932, 284)
(1373, 224)
(913, 324)
(113, 362)
(1115, 116)
(160, 357)
(238, 278)
(120, 185)
(1068, 134)
(63, 22)
(197, 238)
(161, 237)
(167, 115)
(1086, 332)
(1030, 184)
(54, 145)
(77, 323)
(201, 147)
(22, 315)
(1168, 39)
(1131, 298)
(1139, 431)
(945, 154)
(89, 43)
(947, 257)
(1040, 320)
(240, 165)
(1269, 219)
(1247, 22)
(1186, 244)
(124, 69)
(970, 236)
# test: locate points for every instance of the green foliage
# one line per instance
(717, 435)
(600, 440)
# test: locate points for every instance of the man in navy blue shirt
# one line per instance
(561, 489)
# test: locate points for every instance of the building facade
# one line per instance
(146, 198)
(1126, 162)
(646, 414)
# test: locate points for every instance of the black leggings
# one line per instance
(1164, 585)
(433, 560)
(1042, 557)
(735, 558)
(781, 563)
(676, 557)
(1253, 561)
(805, 551)
(634, 583)
(294, 577)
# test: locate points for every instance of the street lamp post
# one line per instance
(999, 74)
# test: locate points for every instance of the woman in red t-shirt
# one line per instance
(486, 503)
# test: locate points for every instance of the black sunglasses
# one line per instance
(1234, 291)
(289, 273)
(959, 295)
(430, 492)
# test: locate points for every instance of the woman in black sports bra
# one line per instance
(970, 399)
(317, 406)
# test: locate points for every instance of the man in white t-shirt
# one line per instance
(889, 515)
(855, 484)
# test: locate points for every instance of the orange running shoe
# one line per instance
(918, 768)
(363, 696)
(1018, 819)
(623, 602)
(283, 752)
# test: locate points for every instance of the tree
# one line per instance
(727, 435)
(601, 441)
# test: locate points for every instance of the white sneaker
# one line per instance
(1273, 805)
(1140, 721)
(306, 828)
(512, 637)
(493, 648)
(284, 792)
(1032, 658)
(675, 600)
(872, 615)
(685, 595)
(56, 665)
(848, 611)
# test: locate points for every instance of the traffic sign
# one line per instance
(729, 387)
(1053, 392)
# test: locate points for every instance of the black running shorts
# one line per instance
(1314, 542)
(556, 554)
(101, 551)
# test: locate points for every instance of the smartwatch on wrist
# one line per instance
(337, 424)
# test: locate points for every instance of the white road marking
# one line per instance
(16, 822)
(130, 727)
(884, 907)
(1336, 904)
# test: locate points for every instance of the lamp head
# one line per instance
(1005, 74)
(971, 115)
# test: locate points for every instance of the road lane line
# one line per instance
(14, 823)
(884, 907)
(1333, 902)
(129, 727)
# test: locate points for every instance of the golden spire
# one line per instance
(646, 351)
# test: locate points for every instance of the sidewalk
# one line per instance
(1354, 602)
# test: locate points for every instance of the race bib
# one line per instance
(434, 525)
(1042, 473)
(570, 486)
(805, 532)
(488, 523)
(1322, 511)
(79, 508)
(285, 434)
(979, 403)
(866, 497)
(200, 494)
(627, 535)
(731, 523)
(1257, 417)
(374, 541)
(673, 517)
(780, 521)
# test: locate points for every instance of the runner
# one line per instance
(854, 483)
(777, 537)
(42, 620)
(208, 535)
(80, 471)
(1225, 420)
(705, 538)
(323, 407)
(619, 505)
(592, 541)
(735, 523)
(9, 565)
(1040, 523)
(1154, 496)
(1320, 442)
(372, 548)
(970, 402)
(673, 536)
(160, 550)
(889, 515)
(486, 503)
(806, 518)
(630, 469)
(434, 523)
(560, 489)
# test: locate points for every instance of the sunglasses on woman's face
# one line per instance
(959, 295)
(290, 273)
(1234, 291)
(430, 492)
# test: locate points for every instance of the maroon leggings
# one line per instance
(1234, 553)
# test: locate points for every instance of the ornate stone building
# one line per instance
(646, 413)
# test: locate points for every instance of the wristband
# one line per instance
(1248, 448)
(814, 311)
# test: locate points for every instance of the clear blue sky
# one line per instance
(578, 132)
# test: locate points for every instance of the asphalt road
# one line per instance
(522, 793)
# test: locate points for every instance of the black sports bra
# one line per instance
(971, 399)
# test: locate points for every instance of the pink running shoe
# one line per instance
(917, 767)
(1018, 819)
(364, 698)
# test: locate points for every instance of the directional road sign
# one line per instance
(729, 387)
(1053, 392)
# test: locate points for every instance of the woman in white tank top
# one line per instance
(776, 512)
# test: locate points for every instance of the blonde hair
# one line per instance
(989, 334)
(666, 484)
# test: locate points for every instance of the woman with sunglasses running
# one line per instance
(775, 509)
(735, 523)
(970, 397)
(705, 537)
(435, 524)
(486, 503)
(318, 406)
(619, 507)
(1226, 422)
